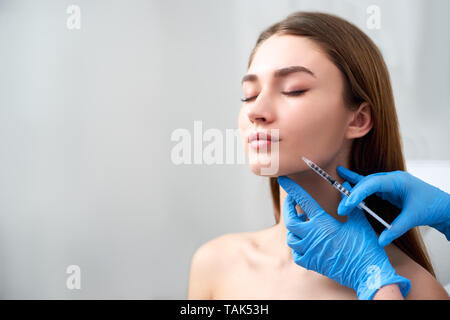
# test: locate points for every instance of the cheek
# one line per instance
(333, 126)
(318, 132)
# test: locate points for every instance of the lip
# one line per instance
(261, 136)
(260, 144)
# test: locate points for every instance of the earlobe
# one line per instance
(361, 122)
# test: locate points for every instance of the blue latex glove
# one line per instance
(347, 253)
(422, 204)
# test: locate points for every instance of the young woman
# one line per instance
(324, 84)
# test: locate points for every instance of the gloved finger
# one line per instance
(341, 208)
(295, 242)
(359, 216)
(399, 226)
(349, 175)
(356, 215)
(366, 187)
(303, 199)
(305, 260)
(297, 257)
(293, 222)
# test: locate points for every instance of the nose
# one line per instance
(261, 111)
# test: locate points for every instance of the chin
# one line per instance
(283, 169)
(281, 163)
(264, 171)
(264, 164)
(274, 169)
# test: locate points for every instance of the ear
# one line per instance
(360, 122)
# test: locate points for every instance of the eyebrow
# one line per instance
(280, 73)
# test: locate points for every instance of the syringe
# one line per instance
(342, 190)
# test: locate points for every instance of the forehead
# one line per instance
(279, 51)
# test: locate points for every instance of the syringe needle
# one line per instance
(341, 189)
(362, 205)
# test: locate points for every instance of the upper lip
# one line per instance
(261, 135)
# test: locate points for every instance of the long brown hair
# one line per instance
(366, 78)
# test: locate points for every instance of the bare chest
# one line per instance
(262, 281)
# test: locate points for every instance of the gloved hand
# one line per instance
(347, 253)
(422, 204)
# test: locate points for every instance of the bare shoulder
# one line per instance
(423, 284)
(218, 251)
(212, 259)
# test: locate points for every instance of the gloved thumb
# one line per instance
(400, 225)
(356, 213)
(340, 210)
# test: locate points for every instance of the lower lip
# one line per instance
(261, 143)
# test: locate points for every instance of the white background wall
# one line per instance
(86, 117)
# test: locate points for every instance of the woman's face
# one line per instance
(291, 85)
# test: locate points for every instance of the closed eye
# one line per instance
(294, 93)
(290, 93)
(248, 99)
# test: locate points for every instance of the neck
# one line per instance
(324, 194)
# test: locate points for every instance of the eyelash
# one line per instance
(292, 93)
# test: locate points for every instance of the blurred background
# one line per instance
(86, 117)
